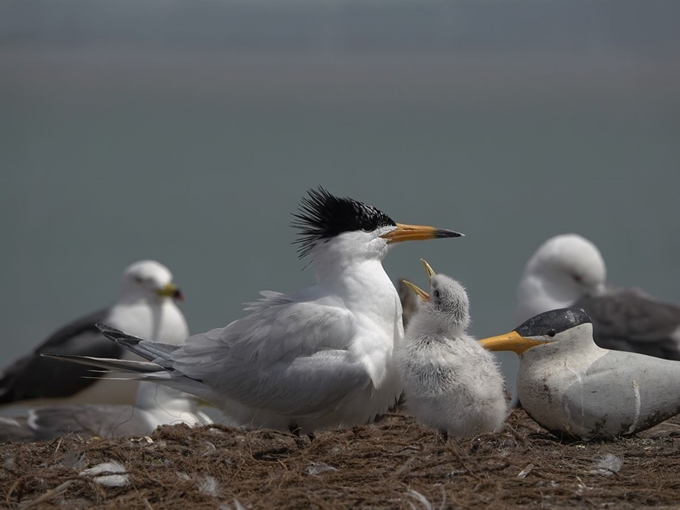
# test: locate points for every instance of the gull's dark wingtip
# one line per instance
(117, 335)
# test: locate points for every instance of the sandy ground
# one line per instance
(394, 463)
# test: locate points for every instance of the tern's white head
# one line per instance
(148, 280)
(340, 231)
(566, 328)
(446, 308)
(564, 269)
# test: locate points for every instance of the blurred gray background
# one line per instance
(187, 131)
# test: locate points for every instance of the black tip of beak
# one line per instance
(442, 232)
(177, 295)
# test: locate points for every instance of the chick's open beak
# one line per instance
(170, 290)
(428, 270)
(421, 293)
(417, 233)
(512, 341)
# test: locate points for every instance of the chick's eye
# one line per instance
(576, 278)
(139, 279)
(436, 294)
(552, 333)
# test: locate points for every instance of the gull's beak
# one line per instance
(170, 290)
(417, 233)
(421, 293)
(512, 341)
(428, 270)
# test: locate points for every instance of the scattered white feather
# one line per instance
(74, 459)
(237, 506)
(525, 471)
(209, 486)
(109, 474)
(424, 501)
(608, 465)
(316, 468)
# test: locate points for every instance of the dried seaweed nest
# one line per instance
(394, 463)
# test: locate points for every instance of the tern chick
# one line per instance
(451, 382)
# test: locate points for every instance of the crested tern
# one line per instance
(145, 307)
(451, 382)
(568, 270)
(319, 358)
(574, 388)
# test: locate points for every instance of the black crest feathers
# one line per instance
(322, 215)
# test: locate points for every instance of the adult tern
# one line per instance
(145, 307)
(568, 270)
(451, 382)
(319, 358)
(574, 388)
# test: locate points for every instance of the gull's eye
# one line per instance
(139, 279)
(576, 278)
(552, 333)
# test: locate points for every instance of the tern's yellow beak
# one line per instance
(512, 341)
(170, 290)
(417, 233)
(421, 293)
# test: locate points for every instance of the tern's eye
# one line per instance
(436, 294)
(552, 333)
(139, 279)
(576, 278)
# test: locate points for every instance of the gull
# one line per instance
(451, 382)
(573, 388)
(145, 307)
(319, 358)
(155, 405)
(568, 270)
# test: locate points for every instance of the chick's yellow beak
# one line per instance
(512, 341)
(421, 293)
(170, 290)
(417, 233)
(428, 270)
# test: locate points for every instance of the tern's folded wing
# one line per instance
(290, 357)
(308, 386)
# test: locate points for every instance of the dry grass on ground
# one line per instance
(391, 464)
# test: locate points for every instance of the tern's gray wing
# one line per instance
(630, 320)
(90, 420)
(291, 358)
(33, 376)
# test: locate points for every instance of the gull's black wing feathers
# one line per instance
(34, 376)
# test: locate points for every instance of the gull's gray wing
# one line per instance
(33, 376)
(630, 320)
(89, 420)
(15, 428)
